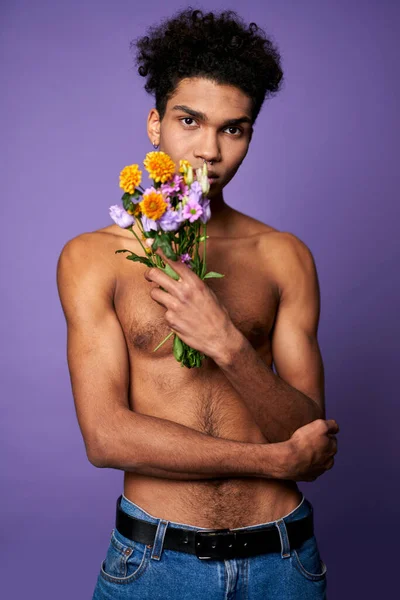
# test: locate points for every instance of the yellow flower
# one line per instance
(153, 205)
(184, 165)
(188, 177)
(129, 178)
(159, 165)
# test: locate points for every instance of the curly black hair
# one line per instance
(217, 46)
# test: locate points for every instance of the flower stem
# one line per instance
(163, 342)
(203, 270)
(140, 241)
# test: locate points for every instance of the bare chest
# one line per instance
(247, 290)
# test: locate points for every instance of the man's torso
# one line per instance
(200, 398)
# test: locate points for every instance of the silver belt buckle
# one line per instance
(214, 543)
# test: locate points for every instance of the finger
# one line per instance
(330, 463)
(164, 298)
(332, 425)
(158, 276)
(334, 443)
(177, 265)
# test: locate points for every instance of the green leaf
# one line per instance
(136, 258)
(162, 241)
(150, 234)
(127, 199)
(141, 259)
(178, 348)
(212, 274)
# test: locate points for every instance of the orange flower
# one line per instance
(129, 178)
(153, 204)
(159, 165)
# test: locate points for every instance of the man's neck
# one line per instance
(221, 217)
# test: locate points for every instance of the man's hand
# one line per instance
(194, 312)
(311, 450)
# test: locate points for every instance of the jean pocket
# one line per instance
(307, 560)
(126, 560)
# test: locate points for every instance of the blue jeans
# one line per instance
(135, 570)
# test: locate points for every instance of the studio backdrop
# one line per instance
(73, 114)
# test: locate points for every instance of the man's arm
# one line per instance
(295, 396)
(114, 435)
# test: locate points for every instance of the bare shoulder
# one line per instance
(86, 260)
(90, 247)
(273, 240)
(289, 243)
(79, 251)
(292, 260)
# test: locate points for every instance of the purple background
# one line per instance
(73, 113)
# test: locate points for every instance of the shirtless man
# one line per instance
(220, 446)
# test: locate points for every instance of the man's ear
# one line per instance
(153, 126)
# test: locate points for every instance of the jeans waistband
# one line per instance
(301, 510)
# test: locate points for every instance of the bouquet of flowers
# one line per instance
(171, 214)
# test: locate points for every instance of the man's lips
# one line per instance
(212, 177)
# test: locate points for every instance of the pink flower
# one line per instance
(184, 189)
(192, 210)
(172, 185)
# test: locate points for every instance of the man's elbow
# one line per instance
(97, 460)
(96, 450)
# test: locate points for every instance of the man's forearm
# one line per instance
(153, 446)
(278, 408)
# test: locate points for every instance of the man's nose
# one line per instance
(208, 147)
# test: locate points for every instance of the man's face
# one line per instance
(205, 120)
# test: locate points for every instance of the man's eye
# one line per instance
(187, 119)
(184, 119)
(238, 129)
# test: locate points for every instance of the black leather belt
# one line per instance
(216, 543)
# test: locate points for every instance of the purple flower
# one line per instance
(170, 220)
(205, 204)
(196, 188)
(195, 192)
(186, 258)
(121, 216)
(149, 224)
(192, 210)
